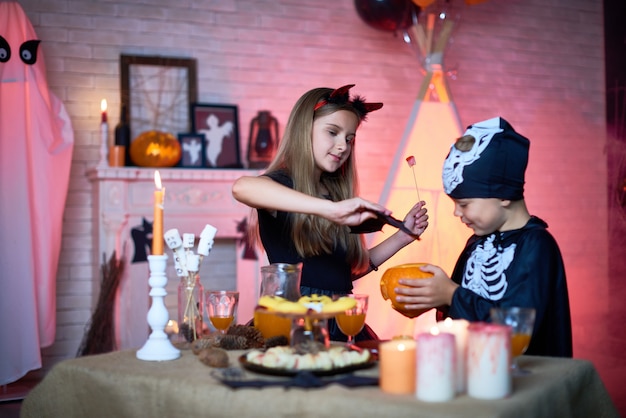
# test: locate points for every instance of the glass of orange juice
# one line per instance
(221, 306)
(522, 322)
(352, 321)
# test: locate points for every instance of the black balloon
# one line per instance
(387, 15)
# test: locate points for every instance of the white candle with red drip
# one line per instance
(104, 134)
(436, 366)
(458, 327)
(489, 361)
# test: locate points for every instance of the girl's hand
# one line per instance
(354, 211)
(417, 219)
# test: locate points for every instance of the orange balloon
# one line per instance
(389, 281)
(423, 3)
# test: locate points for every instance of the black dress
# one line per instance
(328, 274)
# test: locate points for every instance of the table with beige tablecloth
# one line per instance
(119, 385)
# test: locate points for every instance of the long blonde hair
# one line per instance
(314, 235)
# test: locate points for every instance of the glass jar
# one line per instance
(277, 279)
(307, 329)
(190, 308)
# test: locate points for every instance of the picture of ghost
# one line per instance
(193, 149)
(215, 135)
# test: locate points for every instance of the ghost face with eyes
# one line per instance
(15, 59)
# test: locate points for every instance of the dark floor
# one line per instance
(11, 395)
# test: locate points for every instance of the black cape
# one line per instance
(523, 267)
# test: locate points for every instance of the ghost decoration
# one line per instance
(36, 145)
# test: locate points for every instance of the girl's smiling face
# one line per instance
(332, 139)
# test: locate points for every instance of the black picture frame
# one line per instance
(192, 149)
(157, 91)
(220, 125)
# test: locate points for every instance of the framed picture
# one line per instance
(192, 150)
(220, 125)
(157, 92)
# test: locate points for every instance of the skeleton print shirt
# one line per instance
(522, 268)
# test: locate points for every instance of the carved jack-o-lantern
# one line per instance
(155, 149)
(389, 281)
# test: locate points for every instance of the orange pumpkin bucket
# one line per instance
(389, 282)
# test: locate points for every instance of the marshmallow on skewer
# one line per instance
(209, 232)
(173, 239)
(206, 240)
(175, 243)
(193, 263)
(188, 241)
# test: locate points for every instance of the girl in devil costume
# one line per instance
(307, 203)
(511, 260)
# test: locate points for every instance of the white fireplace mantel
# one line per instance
(123, 197)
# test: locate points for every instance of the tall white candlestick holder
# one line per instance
(104, 144)
(158, 347)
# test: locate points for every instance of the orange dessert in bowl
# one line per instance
(389, 281)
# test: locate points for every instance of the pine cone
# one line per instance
(185, 330)
(251, 334)
(276, 341)
(213, 357)
(202, 343)
(234, 342)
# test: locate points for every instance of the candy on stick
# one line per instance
(411, 160)
(173, 239)
(188, 241)
(192, 308)
(187, 264)
(206, 240)
(175, 243)
(193, 264)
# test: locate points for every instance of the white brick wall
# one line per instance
(537, 63)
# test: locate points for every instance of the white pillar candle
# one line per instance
(488, 361)
(436, 365)
(458, 327)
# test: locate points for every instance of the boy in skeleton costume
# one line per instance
(511, 260)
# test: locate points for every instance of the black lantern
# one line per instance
(263, 139)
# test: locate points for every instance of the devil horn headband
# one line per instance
(342, 96)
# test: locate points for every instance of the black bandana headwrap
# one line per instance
(493, 168)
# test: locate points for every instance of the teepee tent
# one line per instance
(432, 127)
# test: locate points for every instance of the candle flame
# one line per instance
(434, 331)
(157, 180)
(103, 105)
(401, 347)
(447, 322)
